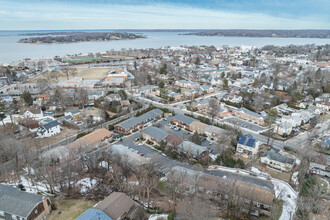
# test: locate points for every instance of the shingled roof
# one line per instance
(115, 205)
(17, 202)
(271, 154)
(155, 133)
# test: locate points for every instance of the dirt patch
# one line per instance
(37, 143)
(86, 73)
(96, 112)
(70, 209)
(118, 57)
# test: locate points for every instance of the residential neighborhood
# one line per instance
(240, 132)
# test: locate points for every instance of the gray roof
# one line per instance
(93, 214)
(147, 88)
(272, 155)
(131, 122)
(49, 125)
(73, 111)
(285, 125)
(248, 112)
(184, 119)
(133, 158)
(190, 147)
(17, 202)
(155, 133)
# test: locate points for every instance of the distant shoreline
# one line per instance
(322, 34)
(77, 37)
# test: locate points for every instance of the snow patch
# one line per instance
(294, 178)
(158, 217)
(214, 157)
(86, 184)
(284, 192)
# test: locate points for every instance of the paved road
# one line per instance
(10, 166)
(165, 163)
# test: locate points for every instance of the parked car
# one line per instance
(141, 154)
(137, 139)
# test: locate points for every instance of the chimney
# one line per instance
(46, 206)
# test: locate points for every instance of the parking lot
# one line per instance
(149, 152)
(164, 163)
(243, 124)
(187, 135)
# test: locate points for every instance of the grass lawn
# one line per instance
(70, 209)
(276, 174)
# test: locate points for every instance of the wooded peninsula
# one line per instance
(74, 37)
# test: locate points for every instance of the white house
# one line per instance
(276, 160)
(296, 120)
(113, 97)
(33, 112)
(304, 115)
(49, 129)
(283, 128)
(72, 112)
(324, 105)
(247, 146)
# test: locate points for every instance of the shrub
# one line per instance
(287, 148)
(150, 142)
(111, 127)
(154, 210)
(53, 206)
(171, 216)
(21, 187)
(82, 134)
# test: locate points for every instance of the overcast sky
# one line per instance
(144, 14)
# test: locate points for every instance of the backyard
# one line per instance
(70, 209)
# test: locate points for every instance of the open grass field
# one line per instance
(86, 73)
(70, 209)
(81, 59)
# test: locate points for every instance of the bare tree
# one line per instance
(147, 177)
(195, 208)
(213, 108)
